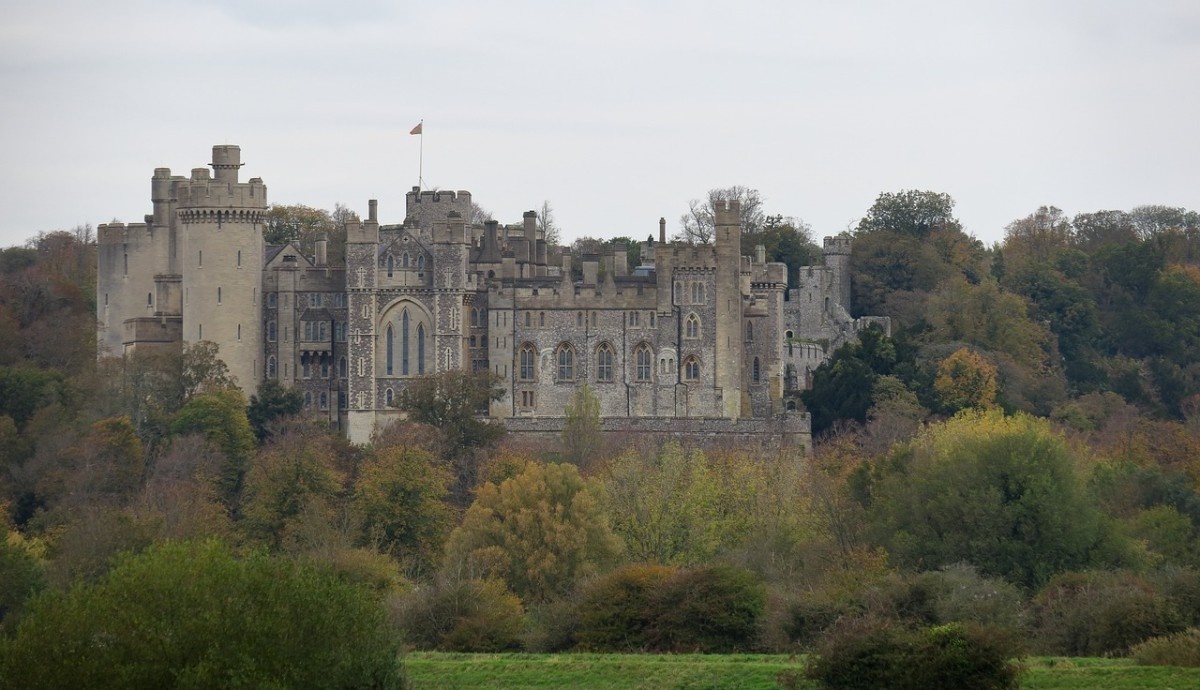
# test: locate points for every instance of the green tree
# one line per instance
(581, 437)
(663, 507)
(998, 492)
(273, 401)
(400, 498)
(541, 532)
(192, 615)
(220, 417)
(451, 402)
(293, 476)
(842, 387)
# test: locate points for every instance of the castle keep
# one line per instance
(696, 339)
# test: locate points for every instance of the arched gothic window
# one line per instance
(421, 349)
(404, 260)
(527, 360)
(604, 362)
(389, 397)
(643, 359)
(271, 365)
(404, 343)
(566, 362)
(389, 350)
(391, 265)
(342, 368)
(691, 327)
(691, 368)
(749, 332)
(757, 371)
(421, 261)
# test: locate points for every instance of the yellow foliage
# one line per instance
(965, 379)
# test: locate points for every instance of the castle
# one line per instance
(696, 339)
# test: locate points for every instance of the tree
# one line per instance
(842, 387)
(297, 223)
(910, 212)
(193, 615)
(541, 532)
(581, 437)
(965, 379)
(400, 501)
(547, 224)
(273, 401)
(997, 492)
(698, 224)
(292, 476)
(788, 241)
(450, 402)
(663, 507)
(220, 417)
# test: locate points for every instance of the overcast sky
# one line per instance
(617, 112)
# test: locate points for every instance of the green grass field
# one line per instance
(750, 671)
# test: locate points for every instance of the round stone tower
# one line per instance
(837, 260)
(220, 259)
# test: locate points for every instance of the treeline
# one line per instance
(981, 482)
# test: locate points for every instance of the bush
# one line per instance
(617, 610)
(462, 616)
(1180, 649)
(874, 653)
(192, 615)
(1100, 613)
(711, 609)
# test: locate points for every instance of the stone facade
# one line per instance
(700, 338)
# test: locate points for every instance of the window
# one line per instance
(749, 332)
(314, 299)
(528, 319)
(652, 319)
(404, 343)
(643, 360)
(566, 362)
(272, 299)
(218, 295)
(474, 342)
(239, 259)
(271, 367)
(149, 299)
(526, 360)
(324, 400)
(757, 371)
(307, 368)
(323, 331)
(474, 317)
(691, 327)
(788, 335)
(389, 350)
(635, 319)
(579, 319)
(604, 362)
(342, 400)
(324, 368)
(677, 292)
(527, 400)
(307, 399)
(697, 292)
(391, 265)
(691, 369)
(541, 319)
(421, 349)
(404, 260)
(389, 397)
(342, 368)
(421, 261)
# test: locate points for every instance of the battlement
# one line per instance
(728, 212)
(119, 233)
(837, 245)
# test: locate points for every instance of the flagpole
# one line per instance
(421, 157)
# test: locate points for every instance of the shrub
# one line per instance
(710, 609)
(193, 615)
(1180, 649)
(875, 653)
(617, 610)
(462, 616)
(1100, 613)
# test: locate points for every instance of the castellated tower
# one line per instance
(220, 257)
(729, 306)
(837, 259)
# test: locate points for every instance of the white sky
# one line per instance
(617, 112)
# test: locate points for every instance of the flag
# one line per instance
(417, 129)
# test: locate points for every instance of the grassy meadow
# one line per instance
(748, 671)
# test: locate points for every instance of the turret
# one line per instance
(837, 259)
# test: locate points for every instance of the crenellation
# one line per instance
(701, 338)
